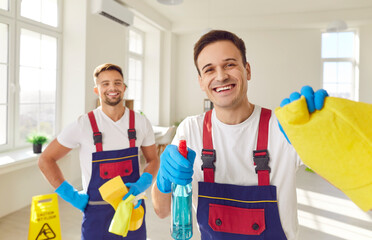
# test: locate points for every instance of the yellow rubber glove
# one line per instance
(335, 142)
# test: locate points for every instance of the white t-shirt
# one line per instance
(114, 137)
(234, 145)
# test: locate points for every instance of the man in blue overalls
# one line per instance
(108, 139)
(243, 176)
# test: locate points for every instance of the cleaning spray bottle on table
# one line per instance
(181, 216)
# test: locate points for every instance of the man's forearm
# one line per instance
(161, 202)
(51, 172)
(152, 160)
(48, 163)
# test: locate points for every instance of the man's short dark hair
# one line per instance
(106, 67)
(218, 35)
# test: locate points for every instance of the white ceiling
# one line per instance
(196, 15)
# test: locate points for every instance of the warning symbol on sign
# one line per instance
(46, 233)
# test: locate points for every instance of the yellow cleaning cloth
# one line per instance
(113, 192)
(121, 220)
(335, 142)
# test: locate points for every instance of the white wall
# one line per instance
(19, 186)
(365, 82)
(282, 61)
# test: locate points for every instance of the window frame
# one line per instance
(354, 62)
(15, 24)
(40, 24)
(11, 12)
(10, 80)
(138, 57)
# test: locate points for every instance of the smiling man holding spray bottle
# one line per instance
(243, 178)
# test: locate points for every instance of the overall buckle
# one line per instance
(132, 133)
(208, 157)
(97, 137)
(261, 159)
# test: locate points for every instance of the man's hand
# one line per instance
(314, 101)
(71, 195)
(174, 168)
(143, 183)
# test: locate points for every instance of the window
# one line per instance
(339, 60)
(43, 11)
(4, 5)
(28, 92)
(3, 82)
(37, 81)
(135, 68)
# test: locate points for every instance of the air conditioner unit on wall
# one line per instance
(114, 11)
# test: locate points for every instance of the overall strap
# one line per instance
(208, 153)
(132, 131)
(97, 135)
(261, 155)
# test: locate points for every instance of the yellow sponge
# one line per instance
(335, 142)
(113, 191)
(126, 218)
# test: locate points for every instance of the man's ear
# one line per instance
(248, 68)
(95, 89)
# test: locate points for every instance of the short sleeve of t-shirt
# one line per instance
(70, 135)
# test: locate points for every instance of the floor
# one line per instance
(324, 212)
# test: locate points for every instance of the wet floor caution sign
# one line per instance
(44, 218)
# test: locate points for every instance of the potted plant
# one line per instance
(37, 141)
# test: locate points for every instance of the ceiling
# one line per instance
(199, 15)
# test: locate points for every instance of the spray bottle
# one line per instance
(181, 216)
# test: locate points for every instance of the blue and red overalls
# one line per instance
(105, 166)
(227, 211)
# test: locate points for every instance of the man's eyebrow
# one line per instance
(225, 60)
(116, 80)
(230, 59)
(209, 64)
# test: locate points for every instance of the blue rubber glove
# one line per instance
(314, 101)
(174, 168)
(73, 196)
(143, 183)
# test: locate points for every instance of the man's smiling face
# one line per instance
(110, 87)
(223, 76)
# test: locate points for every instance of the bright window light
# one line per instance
(4, 4)
(135, 42)
(135, 68)
(37, 79)
(3, 82)
(44, 11)
(340, 68)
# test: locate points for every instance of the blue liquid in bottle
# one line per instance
(181, 212)
(181, 226)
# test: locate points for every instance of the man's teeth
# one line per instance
(112, 94)
(219, 89)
